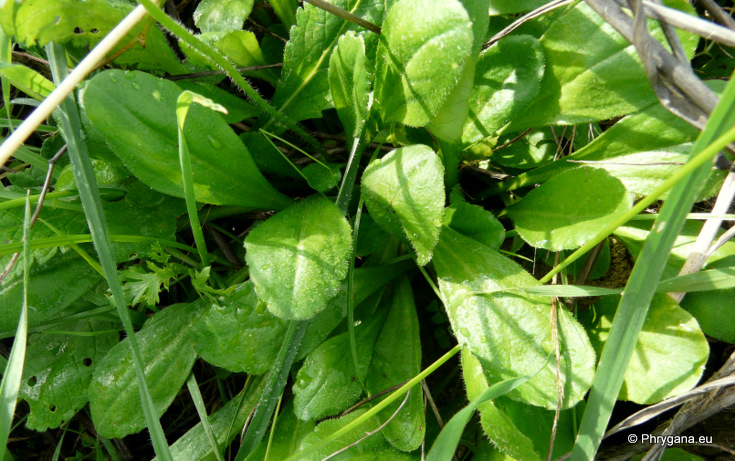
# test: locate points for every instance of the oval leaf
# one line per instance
(424, 47)
(135, 112)
(669, 356)
(165, 347)
(349, 82)
(509, 333)
(570, 209)
(299, 256)
(407, 184)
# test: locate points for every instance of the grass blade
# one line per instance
(276, 381)
(641, 285)
(68, 116)
(10, 386)
(196, 396)
(185, 100)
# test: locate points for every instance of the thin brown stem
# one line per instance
(344, 14)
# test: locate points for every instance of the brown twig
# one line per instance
(718, 13)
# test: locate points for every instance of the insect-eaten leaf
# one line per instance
(404, 192)
(298, 257)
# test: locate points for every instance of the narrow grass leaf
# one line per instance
(196, 396)
(10, 385)
(639, 290)
(71, 128)
(184, 101)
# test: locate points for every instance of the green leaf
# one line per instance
(242, 48)
(474, 221)
(641, 173)
(652, 129)
(218, 15)
(367, 282)
(54, 285)
(498, 426)
(569, 209)
(372, 448)
(298, 257)
(670, 354)
(226, 423)
(135, 112)
(397, 358)
(327, 382)
(487, 323)
(715, 321)
(79, 26)
(448, 440)
(534, 150)
(27, 80)
(288, 435)
(423, 49)
(166, 348)
(404, 192)
(507, 79)
(237, 332)
(238, 109)
(593, 73)
(59, 369)
(303, 91)
(350, 82)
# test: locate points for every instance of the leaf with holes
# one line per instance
(59, 368)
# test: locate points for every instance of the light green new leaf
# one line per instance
(670, 354)
(238, 333)
(298, 257)
(165, 343)
(507, 79)
(59, 369)
(303, 91)
(219, 15)
(373, 448)
(135, 112)
(327, 382)
(396, 359)
(242, 48)
(569, 209)
(350, 82)
(424, 47)
(404, 192)
(510, 333)
(27, 80)
(593, 73)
